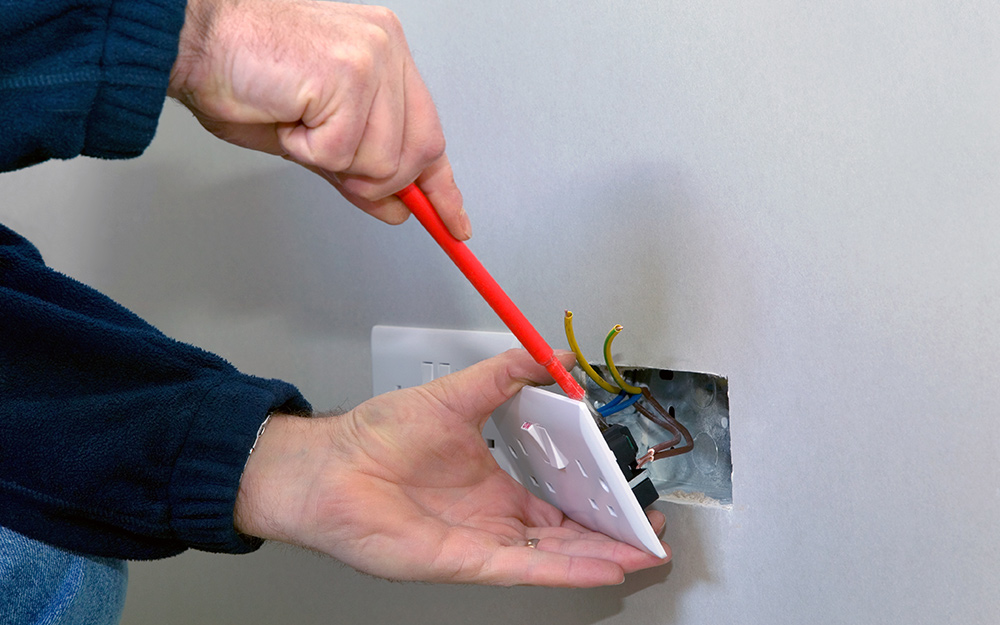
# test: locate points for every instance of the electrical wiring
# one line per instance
(628, 395)
(580, 360)
(622, 401)
(623, 398)
(664, 419)
(628, 388)
(614, 402)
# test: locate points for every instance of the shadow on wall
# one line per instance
(304, 588)
(274, 245)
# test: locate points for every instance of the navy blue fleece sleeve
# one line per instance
(83, 76)
(114, 439)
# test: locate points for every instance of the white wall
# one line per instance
(800, 196)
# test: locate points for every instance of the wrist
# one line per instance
(255, 513)
(274, 497)
(200, 18)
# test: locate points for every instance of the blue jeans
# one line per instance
(44, 585)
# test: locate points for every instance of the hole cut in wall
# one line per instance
(700, 402)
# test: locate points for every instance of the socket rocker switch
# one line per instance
(550, 452)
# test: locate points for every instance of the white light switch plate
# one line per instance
(559, 454)
(405, 357)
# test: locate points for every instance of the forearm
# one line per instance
(114, 439)
(83, 77)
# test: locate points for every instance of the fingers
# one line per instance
(370, 183)
(569, 538)
(521, 565)
(331, 86)
(350, 104)
(583, 561)
(476, 391)
(438, 183)
(330, 137)
(573, 539)
(567, 358)
(402, 142)
(390, 209)
(379, 152)
(656, 520)
(601, 547)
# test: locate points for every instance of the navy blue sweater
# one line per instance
(114, 439)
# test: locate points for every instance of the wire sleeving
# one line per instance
(609, 361)
(580, 360)
(622, 401)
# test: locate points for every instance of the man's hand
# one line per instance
(404, 487)
(330, 86)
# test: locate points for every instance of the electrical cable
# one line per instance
(664, 419)
(615, 401)
(580, 360)
(619, 403)
(609, 408)
(628, 388)
(629, 395)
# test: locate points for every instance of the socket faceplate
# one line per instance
(560, 455)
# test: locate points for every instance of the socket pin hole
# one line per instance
(612, 512)
(512, 452)
(604, 485)
(521, 445)
(548, 485)
(593, 504)
(582, 470)
(533, 480)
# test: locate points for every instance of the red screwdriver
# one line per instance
(504, 307)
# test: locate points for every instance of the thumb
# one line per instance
(476, 391)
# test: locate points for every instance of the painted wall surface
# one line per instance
(804, 197)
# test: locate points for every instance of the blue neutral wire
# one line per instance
(615, 401)
(619, 403)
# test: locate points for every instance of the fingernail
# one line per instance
(466, 225)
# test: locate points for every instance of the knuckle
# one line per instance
(336, 161)
(357, 64)
(432, 148)
(382, 168)
(382, 31)
(325, 153)
(385, 19)
(362, 189)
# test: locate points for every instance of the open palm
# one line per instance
(404, 487)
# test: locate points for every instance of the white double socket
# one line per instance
(547, 442)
